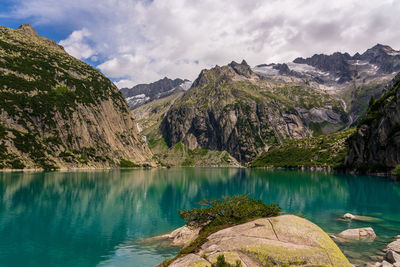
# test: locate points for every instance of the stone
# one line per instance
(395, 246)
(359, 233)
(386, 264)
(349, 216)
(281, 240)
(190, 260)
(392, 256)
(181, 236)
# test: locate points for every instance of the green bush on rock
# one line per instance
(218, 214)
(228, 210)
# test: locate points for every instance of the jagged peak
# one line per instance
(28, 29)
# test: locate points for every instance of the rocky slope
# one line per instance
(278, 241)
(351, 78)
(144, 93)
(376, 144)
(311, 152)
(149, 118)
(56, 111)
(235, 109)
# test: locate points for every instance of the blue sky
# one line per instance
(135, 41)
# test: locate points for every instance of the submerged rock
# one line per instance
(360, 233)
(282, 240)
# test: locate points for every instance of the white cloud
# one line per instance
(147, 40)
(77, 44)
(124, 83)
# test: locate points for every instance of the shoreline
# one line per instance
(302, 168)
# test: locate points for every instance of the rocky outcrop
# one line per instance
(58, 112)
(284, 240)
(141, 94)
(358, 234)
(231, 108)
(376, 144)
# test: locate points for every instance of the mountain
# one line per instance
(143, 93)
(233, 108)
(376, 144)
(56, 111)
(149, 118)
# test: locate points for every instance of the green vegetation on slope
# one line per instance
(324, 150)
(44, 93)
(222, 213)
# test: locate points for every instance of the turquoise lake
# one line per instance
(100, 218)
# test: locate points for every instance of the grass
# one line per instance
(124, 163)
(324, 150)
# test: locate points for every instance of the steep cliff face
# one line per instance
(56, 111)
(231, 108)
(376, 144)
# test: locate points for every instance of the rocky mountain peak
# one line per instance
(28, 29)
(241, 69)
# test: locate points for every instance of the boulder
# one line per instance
(282, 240)
(181, 236)
(349, 216)
(386, 264)
(359, 233)
(190, 260)
(394, 246)
(392, 256)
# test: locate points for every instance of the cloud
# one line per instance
(77, 44)
(142, 41)
(124, 83)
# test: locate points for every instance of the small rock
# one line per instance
(392, 256)
(349, 216)
(397, 237)
(359, 233)
(386, 264)
(395, 246)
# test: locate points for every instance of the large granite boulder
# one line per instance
(283, 240)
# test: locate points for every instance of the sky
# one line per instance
(141, 41)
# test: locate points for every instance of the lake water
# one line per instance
(99, 218)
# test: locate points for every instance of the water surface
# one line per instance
(99, 218)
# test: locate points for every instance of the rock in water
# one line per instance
(282, 240)
(392, 256)
(57, 111)
(394, 246)
(360, 233)
(349, 216)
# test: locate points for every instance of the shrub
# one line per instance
(219, 214)
(228, 210)
(124, 163)
(396, 171)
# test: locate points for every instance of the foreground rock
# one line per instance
(282, 240)
(181, 236)
(358, 234)
(394, 246)
(392, 257)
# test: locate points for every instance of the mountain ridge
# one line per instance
(58, 112)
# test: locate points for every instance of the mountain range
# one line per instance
(325, 110)
(248, 111)
(141, 94)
